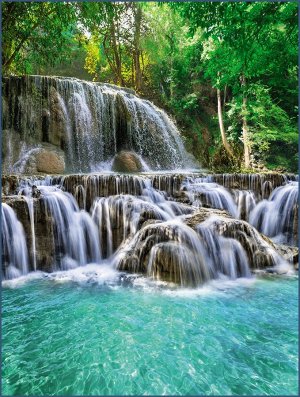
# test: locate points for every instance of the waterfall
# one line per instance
(15, 253)
(75, 231)
(90, 122)
(227, 255)
(183, 226)
(120, 216)
(169, 227)
(245, 201)
(277, 216)
(210, 194)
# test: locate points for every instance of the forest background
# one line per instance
(227, 72)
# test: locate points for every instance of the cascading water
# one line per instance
(246, 201)
(277, 216)
(90, 122)
(119, 216)
(210, 194)
(125, 220)
(75, 232)
(15, 253)
(173, 251)
(29, 201)
(227, 255)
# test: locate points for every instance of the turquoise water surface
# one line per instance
(91, 333)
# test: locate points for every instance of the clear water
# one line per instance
(86, 332)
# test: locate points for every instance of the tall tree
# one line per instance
(137, 12)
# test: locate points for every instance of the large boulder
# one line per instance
(44, 158)
(50, 162)
(126, 161)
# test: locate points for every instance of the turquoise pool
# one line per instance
(88, 332)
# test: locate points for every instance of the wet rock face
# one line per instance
(54, 120)
(86, 188)
(10, 184)
(127, 162)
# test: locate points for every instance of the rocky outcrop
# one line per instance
(40, 159)
(290, 254)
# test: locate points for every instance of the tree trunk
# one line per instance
(110, 61)
(221, 124)
(137, 51)
(171, 54)
(116, 53)
(132, 72)
(245, 129)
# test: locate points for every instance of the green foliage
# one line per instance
(93, 57)
(250, 49)
(36, 34)
(268, 122)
